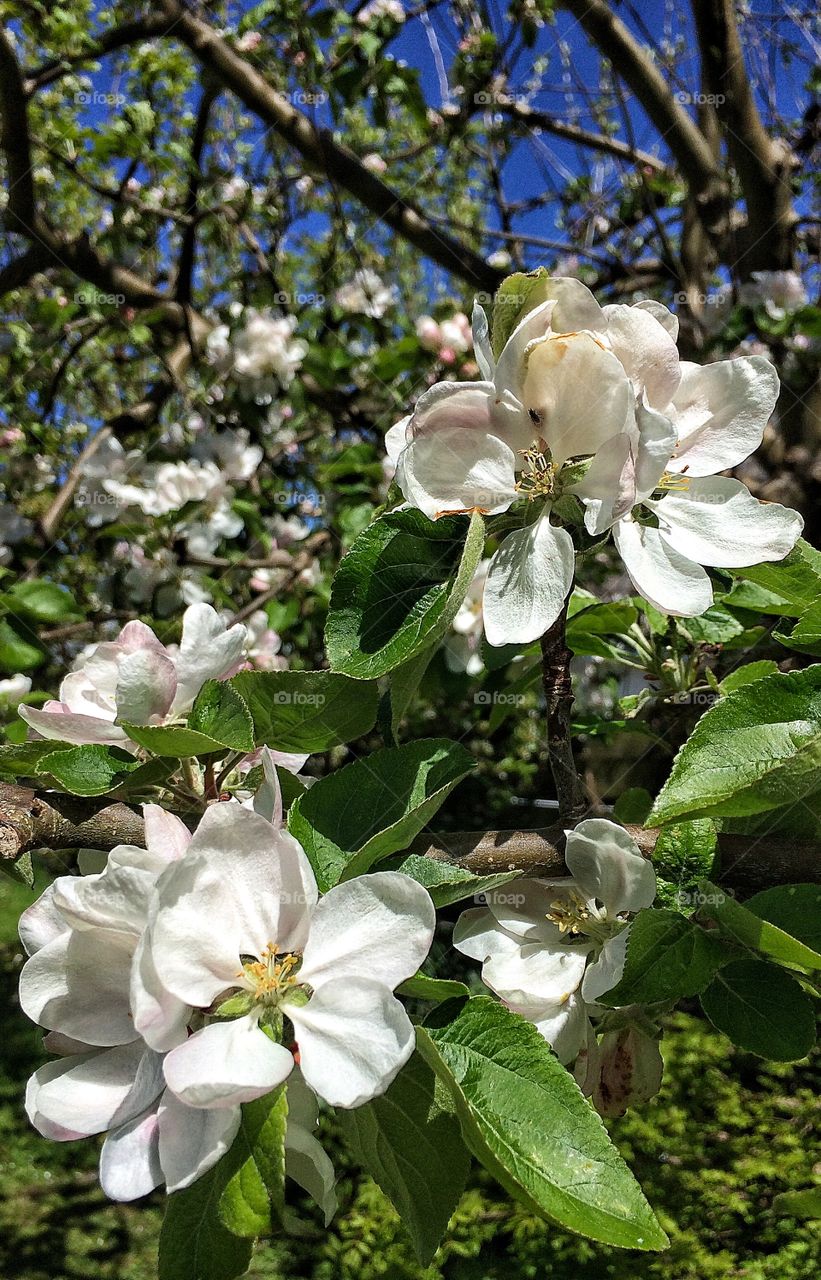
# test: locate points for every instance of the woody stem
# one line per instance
(558, 690)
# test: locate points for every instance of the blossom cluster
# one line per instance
(590, 418)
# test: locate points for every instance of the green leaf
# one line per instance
(524, 1117)
(793, 908)
(398, 589)
(633, 805)
(194, 1244)
(667, 957)
(748, 674)
(517, 294)
(172, 740)
(375, 806)
(254, 1196)
(805, 636)
(89, 770)
(411, 1145)
(756, 749)
(21, 871)
(446, 882)
(16, 653)
(220, 714)
(19, 759)
(684, 854)
(761, 1009)
(715, 626)
(41, 601)
(404, 682)
(307, 711)
(795, 580)
(754, 930)
(421, 987)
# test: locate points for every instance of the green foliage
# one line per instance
(525, 1120)
(306, 711)
(762, 1009)
(795, 905)
(398, 589)
(374, 807)
(667, 957)
(410, 1143)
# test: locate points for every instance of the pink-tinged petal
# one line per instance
(717, 521)
(41, 923)
(353, 1037)
(130, 1158)
(208, 651)
(646, 350)
(291, 761)
(457, 470)
(720, 411)
(116, 899)
(448, 405)
(78, 984)
(527, 583)
(481, 342)
(136, 635)
(95, 1093)
(146, 686)
(66, 726)
(193, 1139)
(42, 1076)
(376, 926)
(226, 1063)
(578, 394)
(607, 865)
(666, 579)
(166, 836)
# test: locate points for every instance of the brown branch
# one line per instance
(633, 63)
(15, 140)
(20, 270)
(532, 118)
(558, 692)
(762, 164)
(109, 42)
(50, 820)
(185, 269)
(320, 149)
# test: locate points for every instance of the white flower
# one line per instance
(549, 948)
(780, 292)
(232, 451)
(462, 648)
(14, 689)
(84, 939)
(366, 294)
(262, 354)
(135, 678)
(376, 9)
(166, 486)
(263, 643)
(717, 418)
(237, 933)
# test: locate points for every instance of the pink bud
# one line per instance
(631, 1070)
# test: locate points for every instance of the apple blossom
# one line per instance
(366, 294)
(14, 689)
(550, 948)
(237, 932)
(137, 679)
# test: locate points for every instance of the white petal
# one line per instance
(537, 974)
(268, 799)
(666, 579)
(41, 923)
(607, 865)
(159, 1017)
(396, 437)
(564, 1026)
(166, 836)
(66, 726)
(377, 926)
(608, 488)
(646, 350)
(657, 440)
(510, 370)
(353, 1038)
(721, 411)
(130, 1158)
(146, 686)
(192, 1139)
(603, 974)
(663, 314)
(448, 405)
(308, 1164)
(208, 651)
(78, 984)
(481, 343)
(521, 907)
(717, 521)
(458, 469)
(478, 934)
(226, 1063)
(575, 306)
(42, 1076)
(579, 392)
(100, 1091)
(527, 583)
(116, 899)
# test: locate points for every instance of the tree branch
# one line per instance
(50, 820)
(558, 692)
(321, 150)
(529, 116)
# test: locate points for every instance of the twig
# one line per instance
(558, 691)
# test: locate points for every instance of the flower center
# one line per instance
(674, 482)
(580, 918)
(539, 473)
(272, 977)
